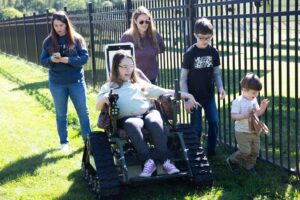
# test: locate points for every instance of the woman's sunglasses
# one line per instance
(144, 21)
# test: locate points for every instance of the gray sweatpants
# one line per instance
(153, 122)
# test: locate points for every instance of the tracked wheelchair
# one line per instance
(110, 160)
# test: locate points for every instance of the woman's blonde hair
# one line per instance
(151, 31)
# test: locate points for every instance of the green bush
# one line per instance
(10, 12)
(76, 5)
(107, 4)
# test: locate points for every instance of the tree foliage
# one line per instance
(27, 7)
(76, 4)
(10, 12)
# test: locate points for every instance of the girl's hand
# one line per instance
(64, 60)
(190, 104)
(55, 59)
(101, 100)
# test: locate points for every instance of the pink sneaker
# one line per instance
(149, 168)
(169, 167)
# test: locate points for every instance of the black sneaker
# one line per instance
(232, 166)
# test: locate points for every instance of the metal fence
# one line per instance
(261, 36)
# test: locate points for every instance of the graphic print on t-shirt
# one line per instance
(203, 62)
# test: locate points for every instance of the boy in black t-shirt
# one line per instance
(200, 70)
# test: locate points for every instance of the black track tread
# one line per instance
(105, 181)
(201, 170)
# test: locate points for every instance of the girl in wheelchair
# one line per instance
(136, 111)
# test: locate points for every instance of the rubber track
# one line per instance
(202, 174)
(105, 181)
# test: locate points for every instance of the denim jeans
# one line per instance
(77, 93)
(211, 113)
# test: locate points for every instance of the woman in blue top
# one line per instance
(64, 53)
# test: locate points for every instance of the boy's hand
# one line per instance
(222, 94)
(246, 115)
(264, 103)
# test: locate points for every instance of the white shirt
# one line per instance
(242, 105)
(132, 100)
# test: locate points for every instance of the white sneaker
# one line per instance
(64, 148)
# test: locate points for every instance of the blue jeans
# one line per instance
(77, 93)
(211, 113)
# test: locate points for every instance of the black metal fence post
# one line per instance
(17, 40)
(3, 31)
(128, 12)
(25, 37)
(10, 36)
(92, 45)
(1, 43)
(35, 39)
(190, 25)
(47, 20)
(192, 20)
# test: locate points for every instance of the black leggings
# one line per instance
(153, 122)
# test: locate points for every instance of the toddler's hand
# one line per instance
(264, 103)
(247, 115)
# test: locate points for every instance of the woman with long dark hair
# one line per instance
(64, 53)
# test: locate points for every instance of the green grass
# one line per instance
(32, 167)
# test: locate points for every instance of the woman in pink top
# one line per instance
(148, 43)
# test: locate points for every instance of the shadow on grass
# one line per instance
(32, 89)
(172, 189)
(46, 101)
(79, 189)
(29, 165)
(269, 182)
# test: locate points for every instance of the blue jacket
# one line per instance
(61, 73)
